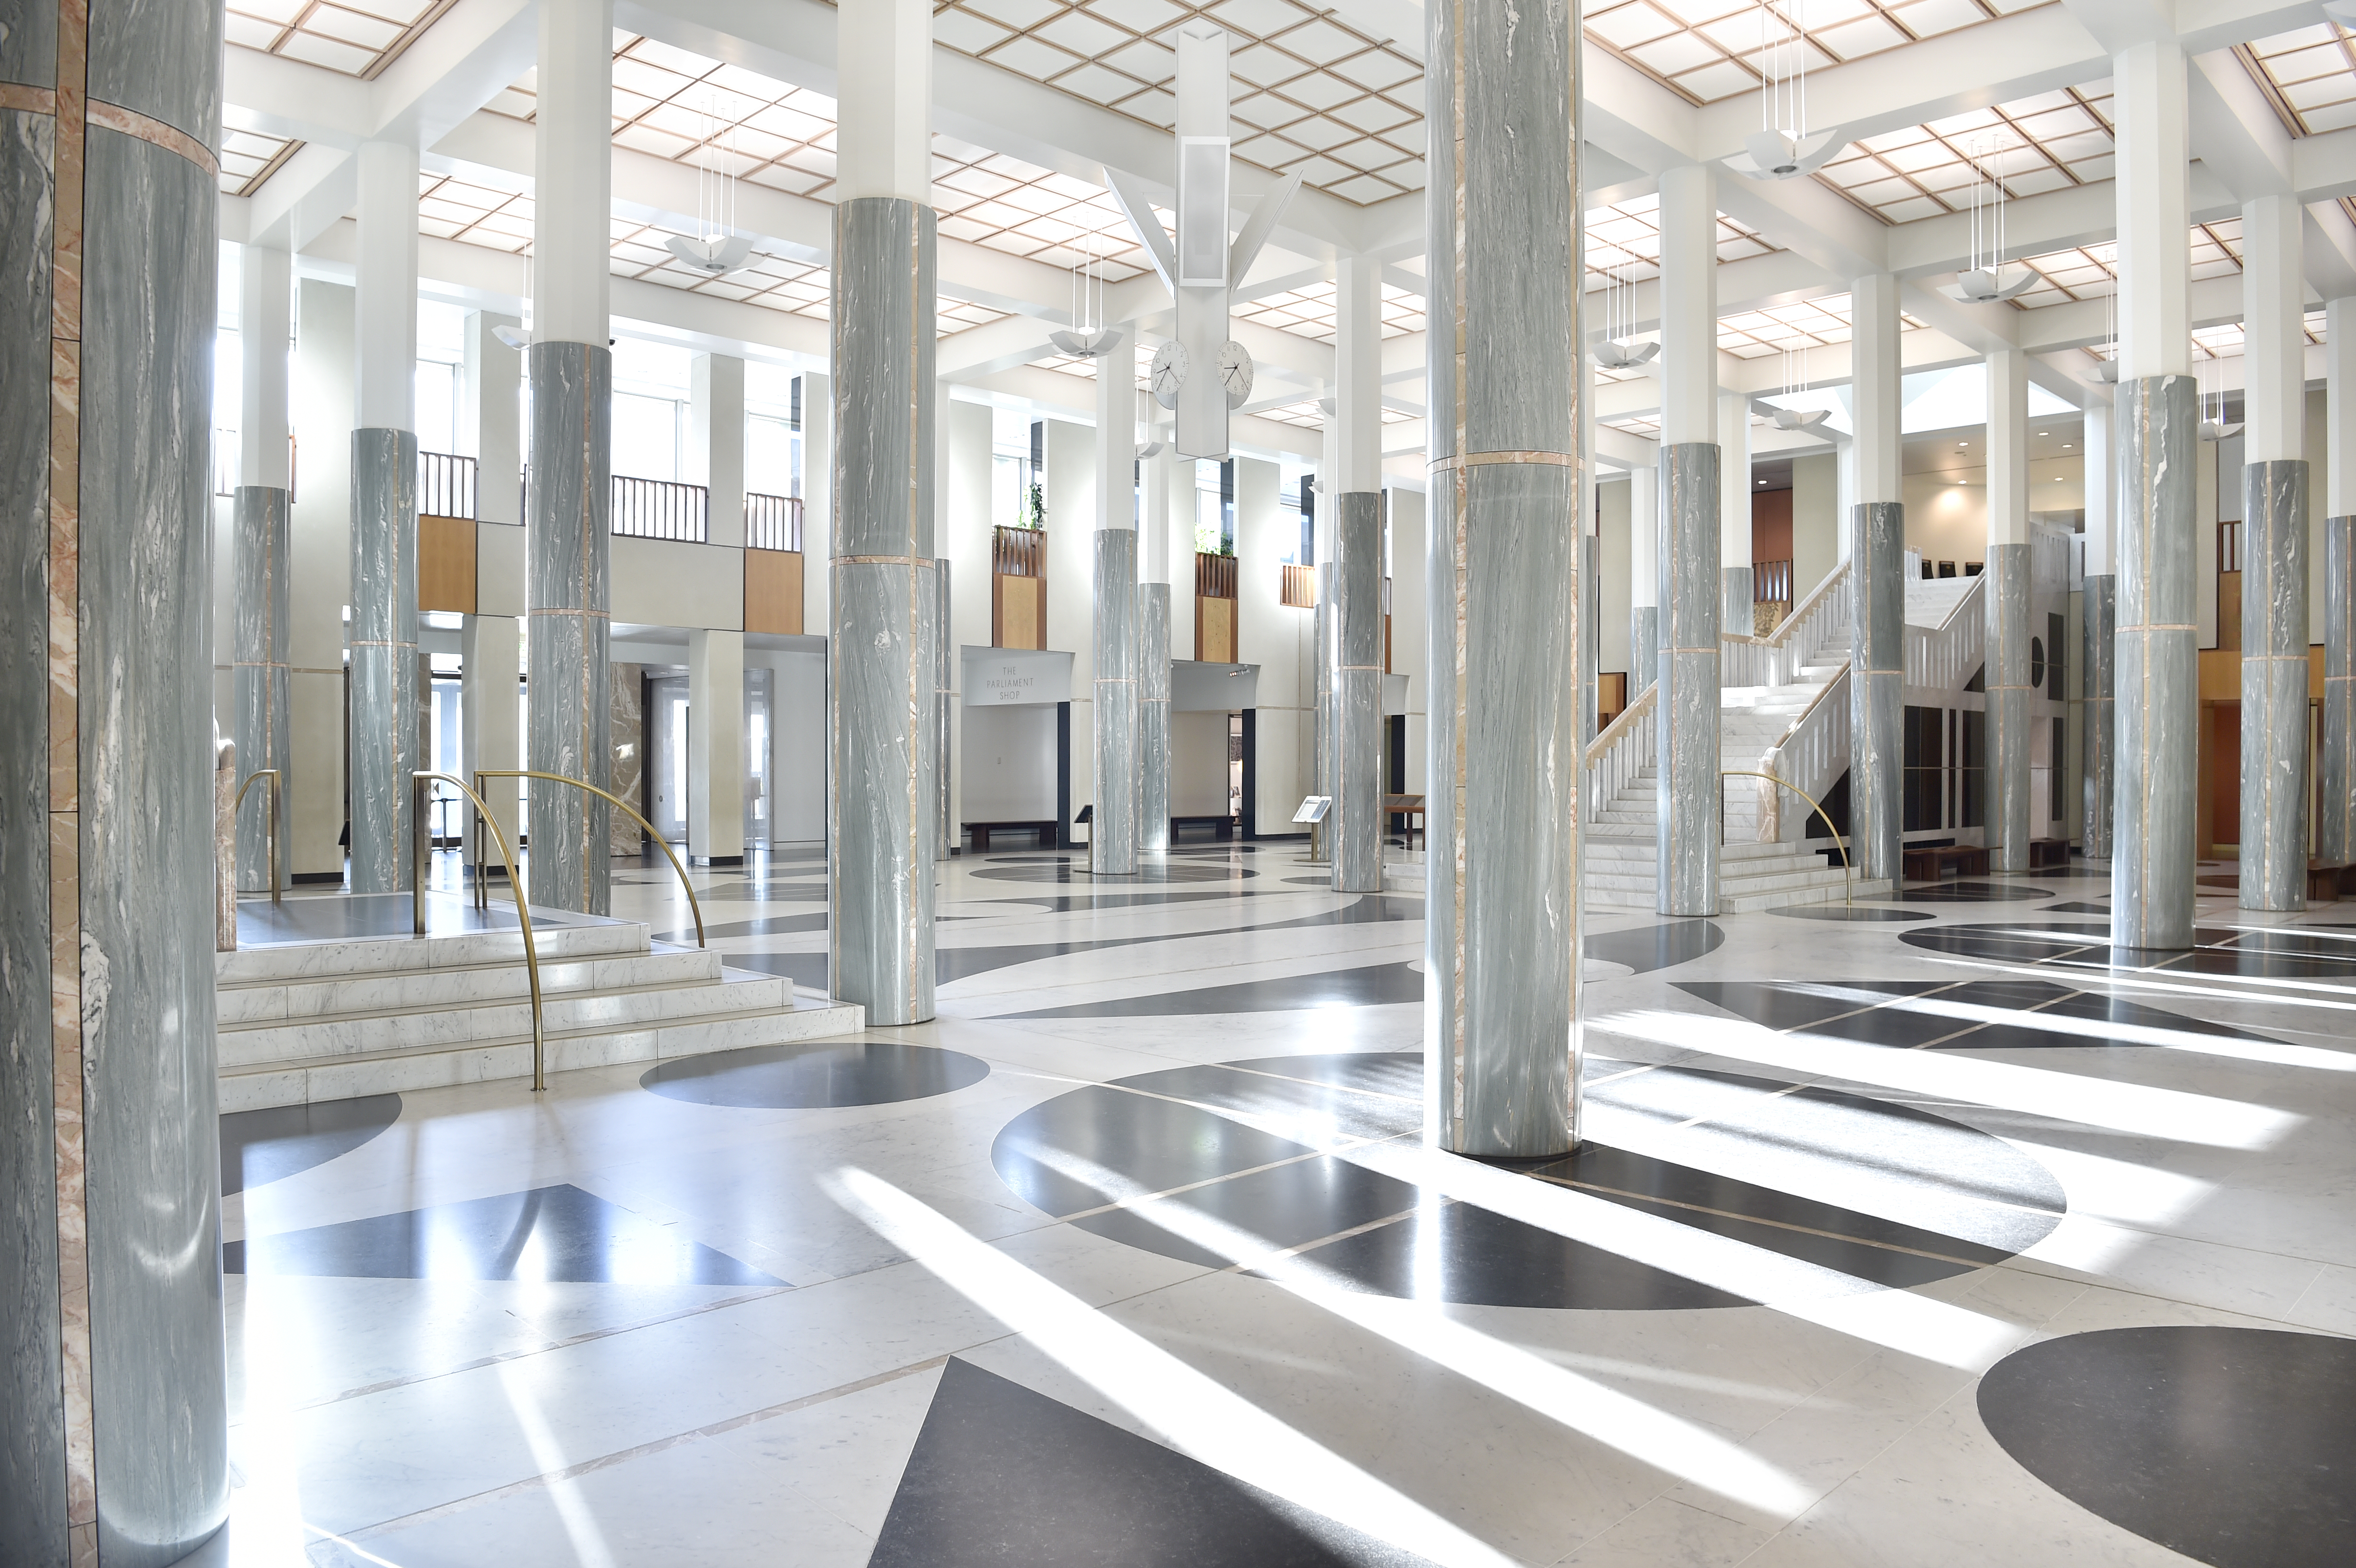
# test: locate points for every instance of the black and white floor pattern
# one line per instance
(1923, 1232)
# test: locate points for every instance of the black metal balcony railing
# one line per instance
(661, 509)
(773, 522)
(446, 484)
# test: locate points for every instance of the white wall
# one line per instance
(1613, 596)
(796, 744)
(1198, 764)
(664, 582)
(1010, 763)
(1071, 492)
(319, 573)
(1816, 523)
(1276, 637)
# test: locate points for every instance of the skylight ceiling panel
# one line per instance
(1922, 154)
(787, 178)
(648, 80)
(281, 12)
(645, 138)
(1029, 57)
(1854, 171)
(1260, 18)
(1928, 19)
(370, 33)
(1952, 177)
(1905, 136)
(1146, 60)
(1866, 36)
(1082, 33)
(1377, 70)
(1266, 111)
(2320, 91)
(251, 31)
(2076, 149)
(1262, 66)
(313, 49)
(1676, 53)
(1625, 27)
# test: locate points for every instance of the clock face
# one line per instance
(1234, 373)
(1169, 373)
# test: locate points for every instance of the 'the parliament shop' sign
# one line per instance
(1012, 677)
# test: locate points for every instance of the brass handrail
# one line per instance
(1609, 736)
(270, 828)
(418, 863)
(1789, 624)
(482, 773)
(1848, 872)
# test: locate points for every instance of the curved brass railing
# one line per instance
(482, 773)
(1848, 872)
(270, 828)
(419, 859)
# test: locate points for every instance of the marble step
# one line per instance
(799, 1016)
(363, 955)
(379, 991)
(690, 995)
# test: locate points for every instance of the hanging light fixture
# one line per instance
(2215, 426)
(713, 250)
(1783, 147)
(2107, 372)
(1615, 349)
(1088, 337)
(1796, 381)
(1987, 280)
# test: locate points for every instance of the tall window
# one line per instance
(771, 430)
(650, 390)
(441, 378)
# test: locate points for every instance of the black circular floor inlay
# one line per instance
(1848, 911)
(812, 1077)
(2272, 953)
(2236, 1446)
(284, 1140)
(1216, 1164)
(1178, 872)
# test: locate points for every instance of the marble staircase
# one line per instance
(309, 1020)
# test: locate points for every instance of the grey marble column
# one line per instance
(384, 642)
(2335, 828)
(2153, 855)
(945, 706)
(1877, 688)
(2274, 686)
(258, 678)
(1154, 717)
(1112, 835)
(113, 1435)
(1734, 612)
(1643, 648)
(1320, 702)
(2009, 692)
(2098, 748)
(1688, 827)
(568, 553)
(884, 612)
(1502, 940)
(1355, 705)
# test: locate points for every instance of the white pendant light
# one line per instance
(1783, 148)
(1987, 280)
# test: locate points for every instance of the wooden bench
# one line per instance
(2044, 852)
(982, 830)
(1411, 807)
(2325, 879)
(1929, 862)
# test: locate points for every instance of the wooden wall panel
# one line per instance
(1018, 612)
(773, 591)
(445, 564)
(1215, 631)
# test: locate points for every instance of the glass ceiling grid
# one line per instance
(2042, 143)
(1623, 241)
(1308, 312)
(1709, 50)
(2310, 75)
(359, 37)
(248, 158)
(1310, 93)
(2090, 271)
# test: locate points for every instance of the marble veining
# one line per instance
(1735, 601)
(1154, 717)
(158, 1378)
(1501, 936)
(260, 714)
(883, 791)
(1643, 649)
(944, 710)
(2006, 597)
(2098, 677)
(160, 58)
(568, 595)
(2157, 704)
(2335, 828)
(1688, 790)
(1877, 688)
(382, 637)
(625, 704)
(1355, 840)
(2275, 784)
(1113, 831)
(32, 1515)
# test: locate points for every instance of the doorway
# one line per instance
(666, 727)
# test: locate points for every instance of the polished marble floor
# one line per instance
(1936, 1230)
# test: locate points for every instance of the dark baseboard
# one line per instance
(311, 879)
(715, 859)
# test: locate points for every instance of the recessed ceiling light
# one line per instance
(2065, 446)
(1960, 444)
(2045, 432)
